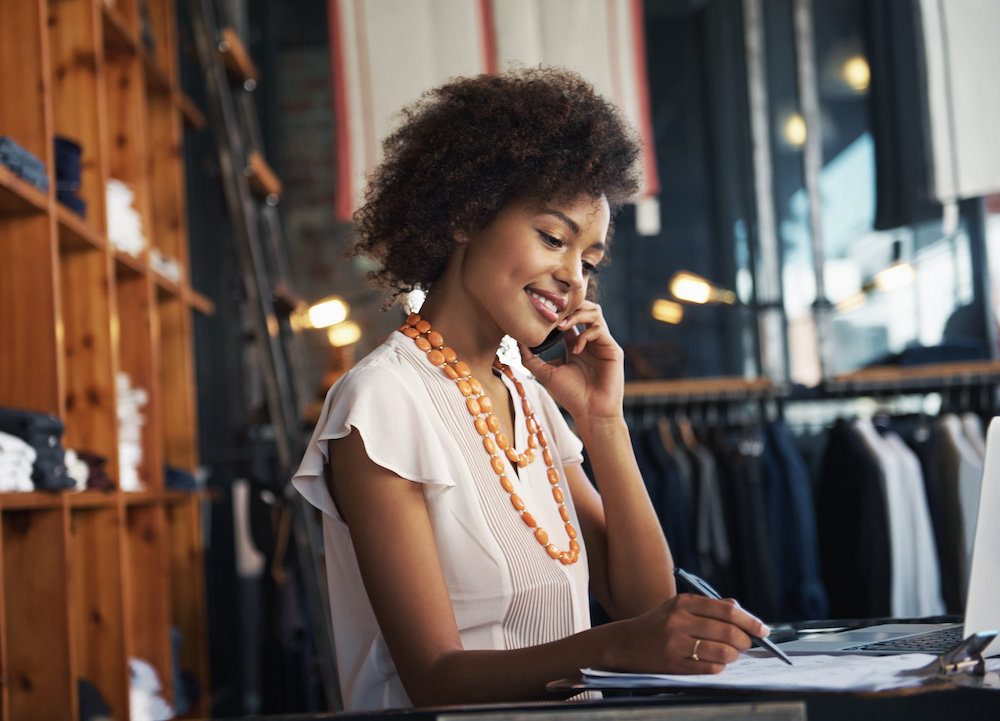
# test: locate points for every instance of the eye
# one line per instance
(550, 240)
(590, 269)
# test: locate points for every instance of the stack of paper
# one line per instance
(810, 673)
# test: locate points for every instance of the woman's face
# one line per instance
(531, 267)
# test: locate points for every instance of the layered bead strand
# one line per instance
(499, 448)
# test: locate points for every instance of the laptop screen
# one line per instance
(982, 609)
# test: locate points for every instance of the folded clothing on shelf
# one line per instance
(130, 421)
(166, 266)
(97, 473)
(16, 461)
(44, 434)
(125, 229)
(22, 163)
(77, 469)
(68, 175)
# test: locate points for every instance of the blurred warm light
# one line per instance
(795, 130)
(668, 311)
(326, 312)
(692, 288)
(852, 302)
(898, 275)
(856, 73)
(342, 334)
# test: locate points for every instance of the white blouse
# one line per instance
(506, 592)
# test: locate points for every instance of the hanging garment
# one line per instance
(957, 474)
(744, 484)
(927, 599)
(711, 537)
(902, 580)
(673, 506)
(801, 593)
(853, 534)
(972, 426)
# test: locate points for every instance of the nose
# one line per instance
(570, 272)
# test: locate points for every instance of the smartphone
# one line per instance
(550, 341)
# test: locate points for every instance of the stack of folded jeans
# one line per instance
(23, 163)
(125, 229)
(16, 460)
(130, 421)
(68, 175)
(44, 434)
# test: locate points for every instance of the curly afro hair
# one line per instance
(470, 148)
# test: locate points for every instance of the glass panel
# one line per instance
(891, 291)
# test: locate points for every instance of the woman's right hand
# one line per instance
(687, 634)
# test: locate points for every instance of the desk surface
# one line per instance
(967, 704)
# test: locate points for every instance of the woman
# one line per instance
(462, 534)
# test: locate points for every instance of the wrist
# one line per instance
(592, 427)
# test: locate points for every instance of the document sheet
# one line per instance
(810, 673)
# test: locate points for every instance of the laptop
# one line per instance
(982, 607)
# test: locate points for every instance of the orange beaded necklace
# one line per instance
(494, 441)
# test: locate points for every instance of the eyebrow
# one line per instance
(564, 218)
(573, 226)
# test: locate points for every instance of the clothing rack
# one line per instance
(700, 390)
(939, 376)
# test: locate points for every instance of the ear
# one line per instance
(460, 237)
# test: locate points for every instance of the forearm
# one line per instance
(639, 565)
(480, 676)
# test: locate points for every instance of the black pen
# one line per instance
(701, 587)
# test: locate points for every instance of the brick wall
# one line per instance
(305, 155)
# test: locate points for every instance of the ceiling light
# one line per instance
(343, 334)
(667, 311)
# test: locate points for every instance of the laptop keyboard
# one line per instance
(937, 641)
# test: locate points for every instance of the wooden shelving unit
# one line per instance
(92, 579)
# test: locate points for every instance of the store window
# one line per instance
(896, 285)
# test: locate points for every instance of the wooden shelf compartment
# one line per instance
(90, 499)
(166, 179)
(23, 501)
(77, 94)
(127, 131)
(157, 80)
(178, 407)
(18, 197)
(40, 675)
(138, 357)
(25, 108)
(163, 26)
(75, 234)
(31, 374)
(120, 32)
(128, 263)
(147, 592)
(90, 398)
(98, 604)
(187, 592)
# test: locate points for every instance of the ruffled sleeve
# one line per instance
(398, 432)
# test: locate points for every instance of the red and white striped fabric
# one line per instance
(385, 53)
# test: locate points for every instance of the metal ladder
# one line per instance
(252, 191)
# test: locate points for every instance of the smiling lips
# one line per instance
(548, 304)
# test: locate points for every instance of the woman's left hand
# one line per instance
(591, 382)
